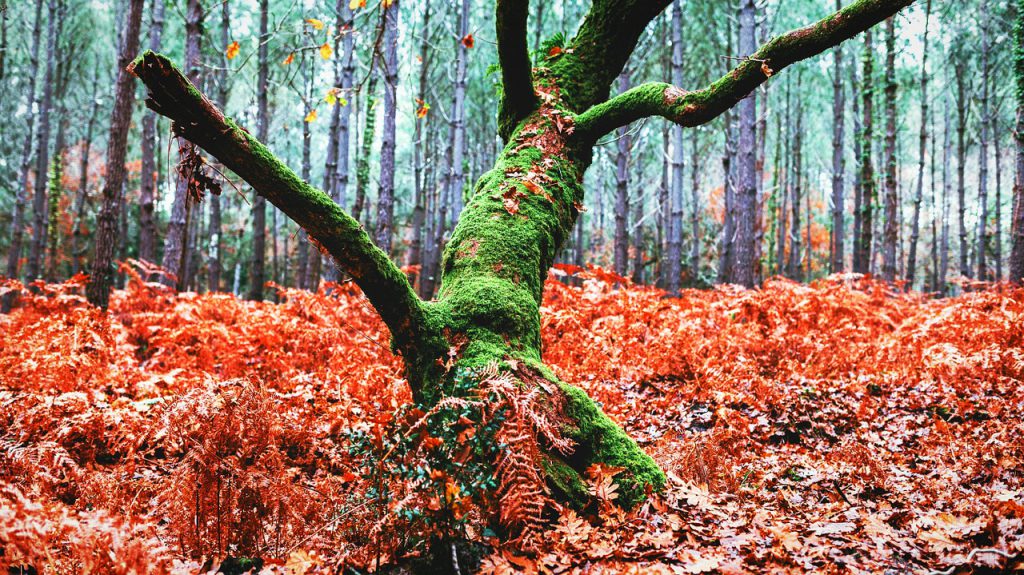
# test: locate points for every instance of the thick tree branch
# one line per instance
(605, 41)
(518, 98)
(702, 106)
(198, 120)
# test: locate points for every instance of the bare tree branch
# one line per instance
(702, 106)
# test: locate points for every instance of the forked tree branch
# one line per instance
(702, 106)
(518, 98)
(606, 39)
(196, 119)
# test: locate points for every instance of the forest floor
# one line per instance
(841, 427)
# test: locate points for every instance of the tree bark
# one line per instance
(150, 175)
(258, 257)
(215, 233)
(176, 244)
(420, 134)
(695, 210)
(623, 144)
(838, 252)
(1016, 264)
(366, 148)
(783, 190)
(674, 253)
(858, 190)
(745, 193)
(37, 248)
(921, 149)
(337, 168)
(947, 145)
(389, 71)
(997, 240)
(78, 220)
(986, 119)
(795, 239)
(890, 236)
(637, 231)
(98, 288)
(54, 193)
(961, 165)
(308, 74)
(454, 183)
(862, 250)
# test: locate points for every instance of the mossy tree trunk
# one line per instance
(519, 213)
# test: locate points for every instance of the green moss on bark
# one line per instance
(601, 440)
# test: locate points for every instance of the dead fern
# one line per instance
(532, 424)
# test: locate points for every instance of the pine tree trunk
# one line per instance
(997, 240)
(176, 244)
(336, 170)
(759, 163)
(308, 74)
(150, 175)
(695, 209)
(786, 175)
(795, 239)
(837, 252)
(637, 231)
(389, 71)
(215, 232)
(366, 148)
(674, 253)
(741, 270)
(420, 135)
(39, 205)
(101, 277)
(921, 149)
(623, 144)
(961, 165)
(809, 245)
(947, 146)
(258, 257)
(1016, 264)
(986, 119)
(936, 209)
(858, 188)
(54, 194)
(862, 249)
(890, 236)
(78, 219)
(18, 218)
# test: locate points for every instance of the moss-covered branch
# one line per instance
(605, 41)
(702, 106)
(517, 96)
(196, 119)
